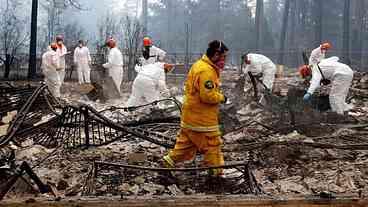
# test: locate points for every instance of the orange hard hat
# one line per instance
(305, 71)
(53, 46)
(111, 43)
(326, 46)
(147, 42)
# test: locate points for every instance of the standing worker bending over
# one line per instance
(262, 66)
(200, 129)
(149, 84)
(326, 72)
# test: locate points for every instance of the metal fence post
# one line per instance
(86, 129)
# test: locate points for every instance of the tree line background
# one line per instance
(280, 29)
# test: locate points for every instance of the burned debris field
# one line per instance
(76, 148)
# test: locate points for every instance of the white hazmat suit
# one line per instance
(156, 54)
(62, 52)
(115, 66)
(260, 64)
(82, 58)
(317, 56)
(50, 66)
(340, 75)
(148, 85)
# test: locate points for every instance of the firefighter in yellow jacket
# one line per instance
(200, 130)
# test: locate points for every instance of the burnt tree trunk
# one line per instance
(259, 24)
(169, 8)
(145, 17)
(32, 67)
(8, 62)
(359, 32)
(284, 32)
(293, 45)
(301, 30)
(318, 15)
(346, 33)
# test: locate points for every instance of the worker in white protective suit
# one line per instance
(50, 67)
(260, 66)
(62, 51)
(319, 53)
(149, 84)
(82, 59)
(151, 53)
(329, 71)
(115, 63)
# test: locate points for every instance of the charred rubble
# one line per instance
(277, 146)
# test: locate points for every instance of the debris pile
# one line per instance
(305, 158)
(289, 151)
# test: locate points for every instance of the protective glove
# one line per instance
(307, 98)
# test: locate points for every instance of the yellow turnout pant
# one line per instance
(189, 142)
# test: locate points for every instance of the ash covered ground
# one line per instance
(319, 152)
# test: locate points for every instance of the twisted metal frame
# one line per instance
(240, 181)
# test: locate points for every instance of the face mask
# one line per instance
(220, 64)
(80, 46)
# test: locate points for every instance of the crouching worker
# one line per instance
(329, 71)
(149, 84)
(199, 130)
(50, 68)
